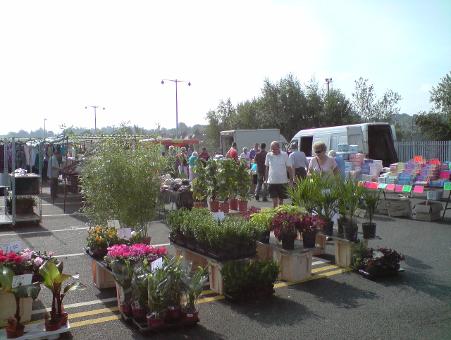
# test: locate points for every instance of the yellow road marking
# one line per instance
(94, 321)
(93, 312)
(313, 277)
(211, 299)
(322, 269)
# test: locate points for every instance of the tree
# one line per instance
(338, 110)
(436, 124)
(371, 109)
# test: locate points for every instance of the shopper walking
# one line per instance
(299, 161)
(53, 171)
(253, 152)
(260, 158)
(322, 163)
(278, 164)
(233, 152)
(192, 162)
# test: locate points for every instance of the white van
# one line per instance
(375, 140)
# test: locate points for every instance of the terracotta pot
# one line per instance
(242, 205)
(225, 207)
(153, 321)
(52, 325)
(190, 317)
(214, 205)
(15, 330)
(126, 308)
(173, 314)
(138, 312)
(233, 204)
(63, 319)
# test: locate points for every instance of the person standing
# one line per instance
(260, 158)
(204, 154)
(322, 163)
(53, 171)
(299, 161)
(253, 152)
(244, 156)
(277, 165)
(192, 161)
(232, 153)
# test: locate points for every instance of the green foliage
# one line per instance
(226, 178)
(199, 185)
(244, 278)
(121, 181)
(370, 198)
(212, 180)
(193, 286)
(305, 193)
(6, 285)
(263, 218)
(359, 253)
(350, 194)
(242, 180)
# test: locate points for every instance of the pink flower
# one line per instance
(38, 261)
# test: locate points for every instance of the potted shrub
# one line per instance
(243, 180)
(53, 279)
(173, 289)
(350, 195)
(262, 220)
(213, 185)
(327, 200)
(14, 327)
(305, 194)
(199, 185)
(370, 199)
(156, 298)
(193, 286)
(121, 181)
(226, 181)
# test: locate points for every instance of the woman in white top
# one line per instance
(322, 163)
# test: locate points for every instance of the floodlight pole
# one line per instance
(176, 81)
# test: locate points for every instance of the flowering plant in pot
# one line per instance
(193, 286)
(375, 263)
(99, 239)
(370, 199)
(53, 279)
(34, 259)
(14, 327)
(309, 227)
(285, 227)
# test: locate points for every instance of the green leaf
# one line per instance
(6, 278)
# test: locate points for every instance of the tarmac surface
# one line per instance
(334, 304)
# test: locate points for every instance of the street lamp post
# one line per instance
(95, 107)
(176, 81)
(44, 127)
(328, 81)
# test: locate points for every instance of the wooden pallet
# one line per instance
(101, 276)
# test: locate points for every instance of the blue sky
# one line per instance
(58, 56)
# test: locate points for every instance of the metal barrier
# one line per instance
(428, 149)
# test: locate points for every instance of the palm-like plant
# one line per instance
(194, 284)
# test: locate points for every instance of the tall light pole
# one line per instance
(328, 81)
(44, 127)
(176, 81)
(95, 107)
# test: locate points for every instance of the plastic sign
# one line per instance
(398, 188)
(124, 233)
(382, 186)
(418, 189)
(113, 224)
(14, 247)
(22, 280)
(390, 187)
(158, 263)
(406, 188)
(218, 216)
(447, 186)
(373, 185)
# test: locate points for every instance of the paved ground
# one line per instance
(333, 305)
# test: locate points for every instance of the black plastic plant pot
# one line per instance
(328, 228)
(350, 231)
(369, 230)
(264, 238)
(308, 239)
(288, 242)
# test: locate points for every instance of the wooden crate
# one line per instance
(399, 207)
(295, 265)
(215, 276)
(8, 308)
(102, 277)
(428, 211)
(343, 252)
(190, 256)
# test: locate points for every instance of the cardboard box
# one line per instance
(399, 207)
(428, 211)
(8, 308)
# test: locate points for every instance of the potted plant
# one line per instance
(156, 298)
(14, 326)
(121, 181)
(350, 195)
(53, 279)
(285, 226)
(375, 263)
(305, 194)
(327, 200)
(243, 180)
(226, 182)
(24, 205)
(193, 286)
(199, 185)
(99, 239)
(213, 185)
(309, 227)
(370, 199)
(262, 220)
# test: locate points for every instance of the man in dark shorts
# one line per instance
(278, 164)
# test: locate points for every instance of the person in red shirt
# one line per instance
(204, 154)
(232, 153)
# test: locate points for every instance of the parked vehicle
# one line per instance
(375, 140)
(248, 138)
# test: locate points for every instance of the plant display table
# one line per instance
(191, 256)
(102, 276)
(343, 251)
(37, 331)
(295, 265)
(8, 308)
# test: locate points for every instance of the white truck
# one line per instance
(375, 140)
(248, 138)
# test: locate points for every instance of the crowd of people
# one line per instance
(273, 170)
